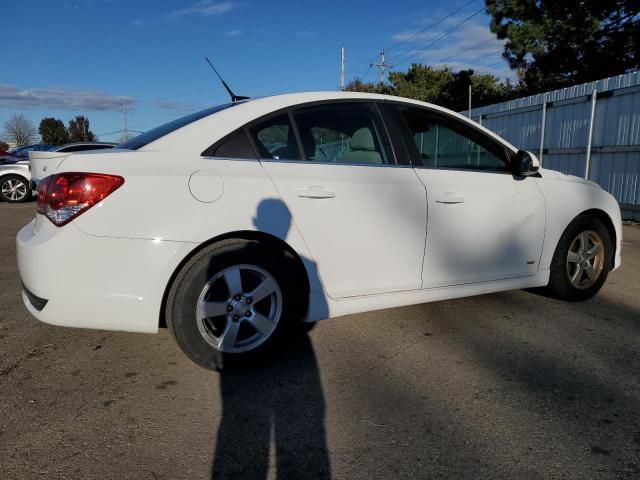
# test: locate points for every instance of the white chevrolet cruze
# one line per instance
(231, 225)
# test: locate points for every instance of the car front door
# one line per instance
(362, 215)
(484, 223)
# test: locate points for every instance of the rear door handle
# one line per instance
(316, 192)
(449, 198)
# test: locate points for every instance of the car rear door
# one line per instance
(361, 214)
(484, 224)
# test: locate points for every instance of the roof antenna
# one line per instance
(234, 97)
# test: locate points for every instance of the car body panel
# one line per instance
(496, 231)
(566, 197)
(361, 215)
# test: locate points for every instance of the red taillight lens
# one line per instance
(64, 196)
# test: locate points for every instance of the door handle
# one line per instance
(316, 192)
(449, 198)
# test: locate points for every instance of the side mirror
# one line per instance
(525, 163)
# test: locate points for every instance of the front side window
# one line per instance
(342, 133)
(446, 143)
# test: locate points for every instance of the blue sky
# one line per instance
(68, 57)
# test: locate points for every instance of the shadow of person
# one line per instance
(279, 402)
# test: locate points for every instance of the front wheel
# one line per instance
(14, 189)
(231, 302)
(581, 261)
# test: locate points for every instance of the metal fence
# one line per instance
(590, 130)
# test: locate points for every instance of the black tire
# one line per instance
(187, 288)
(560, 285)
(7, 196)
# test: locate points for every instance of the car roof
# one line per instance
(190, 137)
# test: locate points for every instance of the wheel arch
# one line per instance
(13, 174)
(265, 238)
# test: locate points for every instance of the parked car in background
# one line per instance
(15, 180)
(203, 226)
(39, 169)
(6, 157)
(23, 152)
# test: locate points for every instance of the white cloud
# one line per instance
(205, 8)
(61, 99)
(472, 45)
(234, 33)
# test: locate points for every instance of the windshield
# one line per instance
(152, 135)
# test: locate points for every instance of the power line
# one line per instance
(434, 40)
(435, 24)
(464, 50)
(430, 26)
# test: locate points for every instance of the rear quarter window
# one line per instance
(152, 135)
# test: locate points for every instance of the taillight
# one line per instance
(64, 196)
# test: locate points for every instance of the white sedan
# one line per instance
(233, 224)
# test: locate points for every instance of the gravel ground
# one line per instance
(509, 385)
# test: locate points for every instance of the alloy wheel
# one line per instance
(585, 259)
(239, 308)
(14, 190)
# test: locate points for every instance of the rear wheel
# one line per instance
(14, 189)
(232, 302)
(581, 261)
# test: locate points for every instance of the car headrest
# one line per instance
(362, 140)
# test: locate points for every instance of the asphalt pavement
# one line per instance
(511, 385)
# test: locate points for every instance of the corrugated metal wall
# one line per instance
(556, 125)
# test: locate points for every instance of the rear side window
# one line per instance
(342, 132)
(235, 145)
(83, 148)
(152, 135)
(275, 138)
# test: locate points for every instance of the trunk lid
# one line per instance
(44, 164)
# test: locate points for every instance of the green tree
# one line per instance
(53, 131)
(441, 86)
(554, 43)
(79, 130)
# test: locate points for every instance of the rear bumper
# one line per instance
(77, 280)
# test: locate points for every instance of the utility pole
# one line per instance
(382, 65)
(469, 98)
(342, 68)
(126, 136)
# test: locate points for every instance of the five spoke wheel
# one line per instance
(585, 259)
(239, 308)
